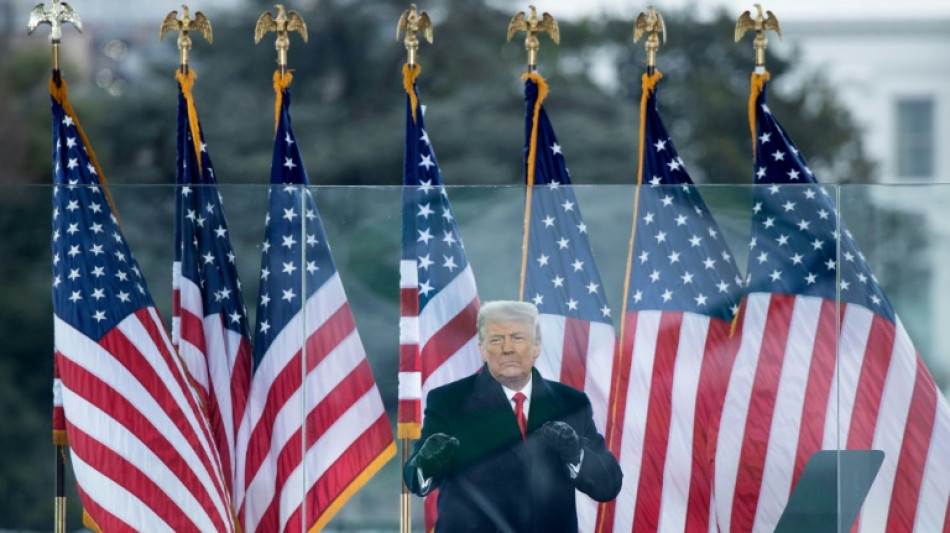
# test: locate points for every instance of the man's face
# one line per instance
(510, 349)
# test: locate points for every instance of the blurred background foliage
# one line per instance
(348, 113)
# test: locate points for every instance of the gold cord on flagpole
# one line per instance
(532, 26)
(183, 26)
(529, 169)
(760, 24)
(56, 14)
(286, 22)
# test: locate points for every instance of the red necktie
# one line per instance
(519, 399)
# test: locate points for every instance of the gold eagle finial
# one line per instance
(760, 24)
(286, 22)
(654, 27)
(183, 26)
(57, 14)
(413, 21)
(533, 26)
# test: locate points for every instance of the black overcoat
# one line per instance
(500, 482)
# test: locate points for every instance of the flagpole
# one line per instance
(59, 513)
(411, 21)
(56, 14)
(531, 26)
(405, 497)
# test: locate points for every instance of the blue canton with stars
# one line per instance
(201, 231)
(561, 277)
(430, 236)
(294, 241)
(680, 260)
(96, 281)
(795, 232)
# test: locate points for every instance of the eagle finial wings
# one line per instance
(412, 21)
(759, 24)
(652, 23)
(55, 16)
(202, 25)
(403, 23)
(533, 25)
(771, 23)
(517, 24)
(744, 24)
(295, 23)
(265, 23)
(171, 23)
(549, 25)
(425, 25)
(68, 14)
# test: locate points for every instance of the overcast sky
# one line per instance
(783, 9)
(567, 9)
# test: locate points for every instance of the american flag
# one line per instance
(142, 450)
(683, 289)
(560, 276)
(333, 408)
(824, 362)
(209, 321)
(438, 300)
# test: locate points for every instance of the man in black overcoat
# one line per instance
(494, 472)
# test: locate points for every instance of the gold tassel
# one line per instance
(648, 84)
(187, 81)
(409, 75)
(532, 154)
(533, 145)
(89, 522)
(281, 83)
(60, 438)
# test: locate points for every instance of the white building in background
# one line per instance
(894, 76)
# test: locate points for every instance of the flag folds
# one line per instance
(682, 290)
(438, 300)
(209, 320)
(142, 450)
(559, 274)
(316, 429)
(824, 362)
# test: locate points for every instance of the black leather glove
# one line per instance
(436, 455)
(561, 438)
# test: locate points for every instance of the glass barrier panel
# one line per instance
(745, 333)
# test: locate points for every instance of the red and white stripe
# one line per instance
(219, 361)
(669, 390)
(580, 354)
(332, 410)
(797, 387)
(438, 345)
(59, 418)
(141, 448)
